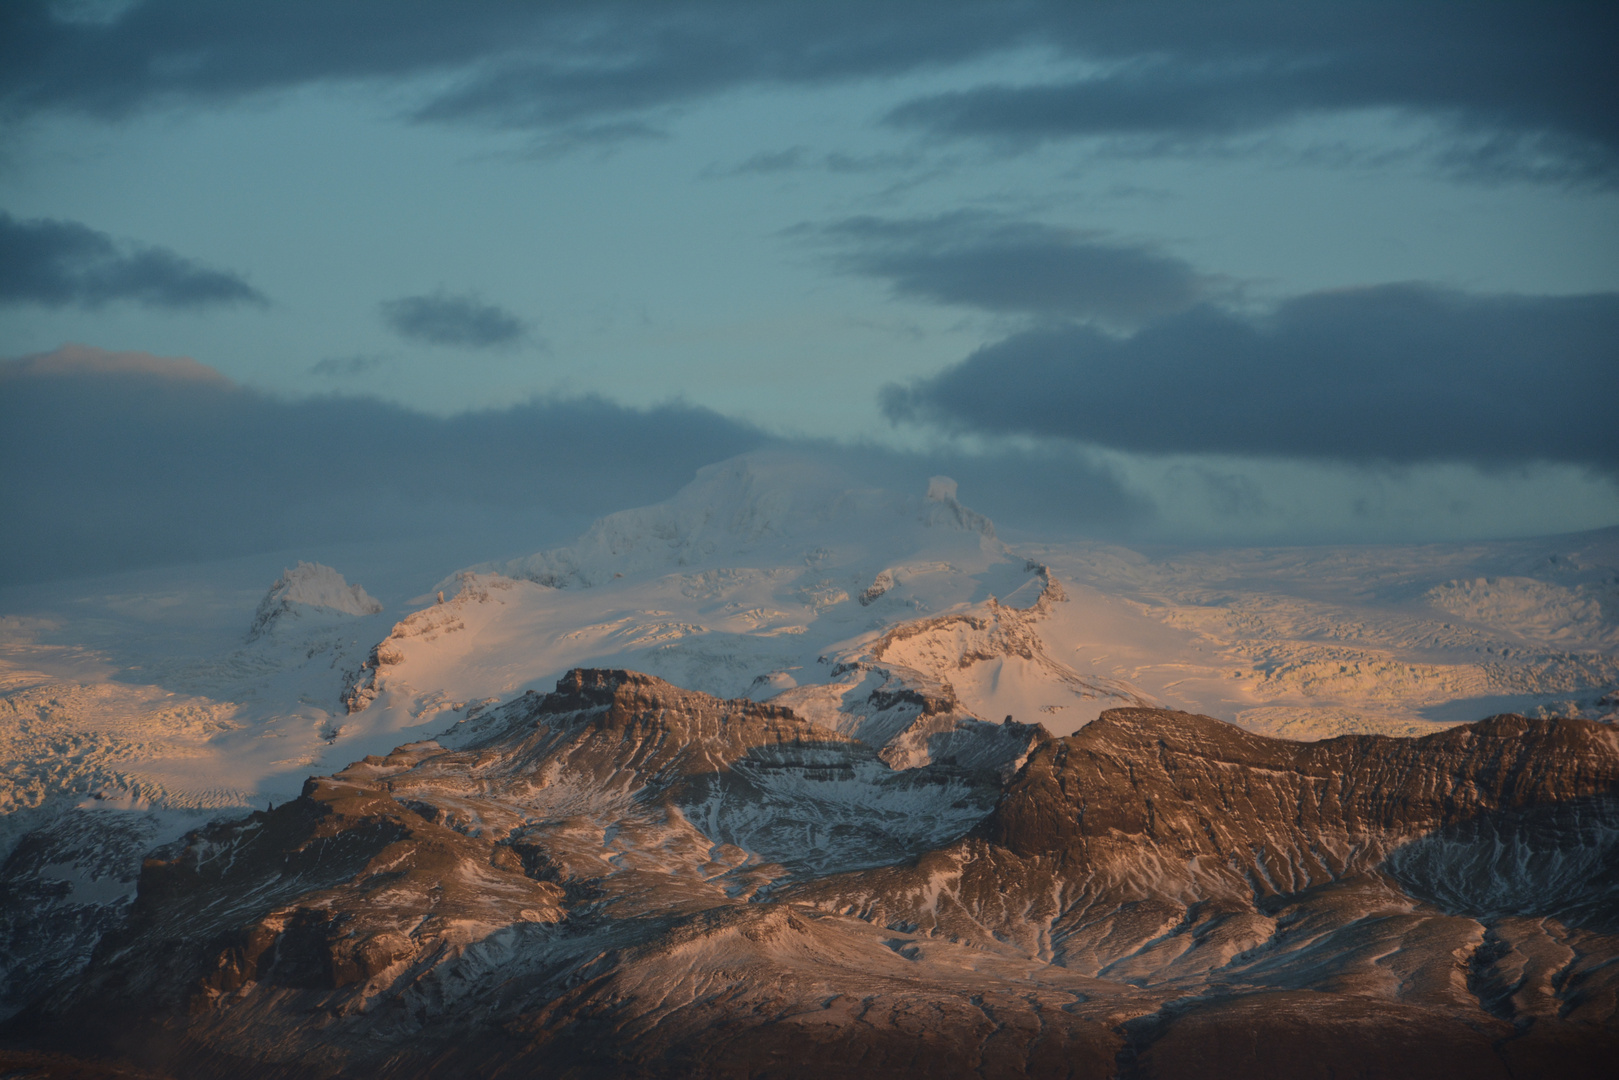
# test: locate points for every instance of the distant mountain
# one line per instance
(310, 589)
(623, 878)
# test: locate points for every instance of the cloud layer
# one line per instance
(63, 263)
(1525, 90)
(1522, 89)
(110, 461)
(115, 460)
(1398, 373)
(442, 319)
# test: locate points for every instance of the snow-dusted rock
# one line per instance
(625, 878)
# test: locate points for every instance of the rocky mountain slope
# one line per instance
(879, 719)
(622, 878)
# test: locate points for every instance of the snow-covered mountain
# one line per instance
(776, 575)
(749, 728)
(899, 619)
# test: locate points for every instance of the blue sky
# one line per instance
(869, 225)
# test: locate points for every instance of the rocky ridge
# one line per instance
(623, 878)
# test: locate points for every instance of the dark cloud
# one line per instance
(516, 64)
(1399, 373)
(1526, 88)
(1016, 267)
(110, 461)
(62, 263)
(442, 319)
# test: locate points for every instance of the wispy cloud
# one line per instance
(63, 263)
(347, 366)
(800, 159)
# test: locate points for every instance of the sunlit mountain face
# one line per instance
(717, 539)
(788, 774)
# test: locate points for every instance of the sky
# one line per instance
(1153, 272)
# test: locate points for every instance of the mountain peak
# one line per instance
(763, 508)
(310, 589)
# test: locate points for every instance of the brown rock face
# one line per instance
(1277, 818)
(627, 879)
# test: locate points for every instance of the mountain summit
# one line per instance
(309, 590)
